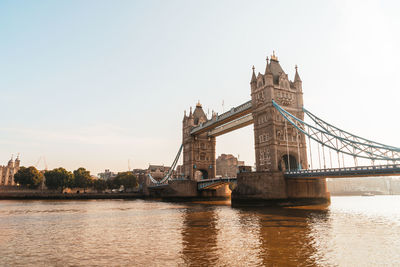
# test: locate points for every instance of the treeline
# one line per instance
(60, 179)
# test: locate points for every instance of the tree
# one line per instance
(82, 178)
(127, 179)
(29, 177)
(58, 178)
(100, 185)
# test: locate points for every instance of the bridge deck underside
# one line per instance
(365, 171)
(232, 126)
(214, 183)
(158, 186)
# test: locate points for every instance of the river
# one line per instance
(353, 231)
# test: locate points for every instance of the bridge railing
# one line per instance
(362, 170)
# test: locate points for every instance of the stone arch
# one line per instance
(201, 174)
(288, 162)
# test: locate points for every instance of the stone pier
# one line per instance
(273, 189)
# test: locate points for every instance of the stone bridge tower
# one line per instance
(198, 150)
(278, 145)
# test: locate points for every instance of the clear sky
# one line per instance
(95, 83)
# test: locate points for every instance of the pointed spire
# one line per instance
(190, 113)
(268, 67)
(274, 57)
(253, 76)
(297, 76)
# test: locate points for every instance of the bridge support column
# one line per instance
(307, 189)
(222, 192)
(273, 189)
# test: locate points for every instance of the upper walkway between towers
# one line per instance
(232, 114)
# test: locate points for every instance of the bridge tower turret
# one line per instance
(278, 146)
(198, 150)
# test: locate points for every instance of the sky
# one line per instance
(98, 84)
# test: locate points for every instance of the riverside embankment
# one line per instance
(46, 195)
(16, 193)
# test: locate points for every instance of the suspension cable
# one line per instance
(287, 145)
(298, 149)
(309, 142)
(319, 156)
(323, 151)
(344, 166)
(348, 140)
(338, 156)
(355, 159)
(170, 171)
(394, 161)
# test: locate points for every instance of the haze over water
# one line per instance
(353, 231)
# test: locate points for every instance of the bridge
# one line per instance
(359, 171)
(295, 149)
(214, 183)
(345, 172)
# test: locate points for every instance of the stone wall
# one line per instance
(272, 188)
(260, 185)
(307, 188)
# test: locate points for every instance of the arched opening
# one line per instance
(201, 174)
(288, 163)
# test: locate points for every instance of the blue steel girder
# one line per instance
(346, 172)
(339, 140)
(170, 171)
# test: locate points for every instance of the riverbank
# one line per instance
(52, 195)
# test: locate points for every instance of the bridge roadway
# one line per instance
(349, 172)
(362, 171)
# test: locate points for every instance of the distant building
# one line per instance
(7, 172)
(357, 186)
(158, 171)
(138, 172)
(180, 171)
(107, 174)
(228, 165)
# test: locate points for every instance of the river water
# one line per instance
(353, 231)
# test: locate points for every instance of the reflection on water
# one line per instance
(353, 231)
(199, 236)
